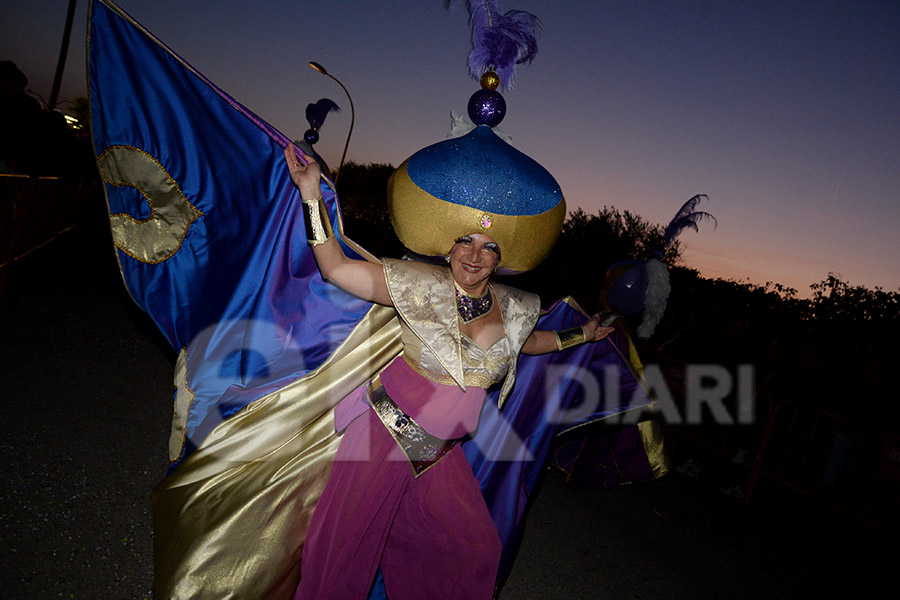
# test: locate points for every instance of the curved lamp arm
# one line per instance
(322, 70)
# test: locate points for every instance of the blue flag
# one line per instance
(207, 225)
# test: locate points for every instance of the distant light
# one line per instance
(318, 68)
(71, 121)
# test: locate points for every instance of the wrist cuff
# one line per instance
(318, 226)
(566, 338)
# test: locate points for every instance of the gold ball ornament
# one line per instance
(490, 80)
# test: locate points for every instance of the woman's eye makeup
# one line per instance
(466, 240)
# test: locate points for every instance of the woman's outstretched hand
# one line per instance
(593, 332)
(305, 177)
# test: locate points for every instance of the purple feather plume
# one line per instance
(500, 41)
(316, 113)
(687, 217)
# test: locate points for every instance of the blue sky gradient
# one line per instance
(787, 114)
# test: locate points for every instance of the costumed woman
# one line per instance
(272, 360)
(401, 494)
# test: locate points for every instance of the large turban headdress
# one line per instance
(477, 183)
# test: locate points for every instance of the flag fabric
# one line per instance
(208, 227)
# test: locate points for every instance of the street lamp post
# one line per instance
(322, 70)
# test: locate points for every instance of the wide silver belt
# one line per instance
(421, 449)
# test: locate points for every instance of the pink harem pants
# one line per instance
(433, 536)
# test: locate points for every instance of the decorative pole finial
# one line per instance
(499, 43)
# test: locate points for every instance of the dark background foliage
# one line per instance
(830, 346)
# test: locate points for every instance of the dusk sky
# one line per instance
(787, 114)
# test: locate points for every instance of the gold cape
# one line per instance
(230, 521)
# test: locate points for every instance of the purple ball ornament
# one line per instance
(311, 136)
(487, 107)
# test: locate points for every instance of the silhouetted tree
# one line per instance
(362, 190)
(835, 300)
(587, 247)
(706, 319)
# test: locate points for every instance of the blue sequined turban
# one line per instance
(477, 184)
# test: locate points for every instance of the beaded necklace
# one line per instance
(472, 308)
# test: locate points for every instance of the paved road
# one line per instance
(86, 388)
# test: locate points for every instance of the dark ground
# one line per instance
(86, 403)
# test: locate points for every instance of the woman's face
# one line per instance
(472, 260)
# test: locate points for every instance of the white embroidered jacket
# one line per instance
(425, 298)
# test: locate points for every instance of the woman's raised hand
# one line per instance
(305, 177)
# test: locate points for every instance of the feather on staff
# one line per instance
(316, 113)
(687, 217)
